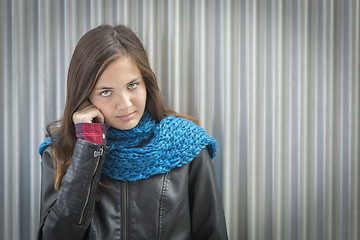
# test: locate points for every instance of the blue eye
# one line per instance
(132, 86)
(105, 93)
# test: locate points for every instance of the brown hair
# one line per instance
(94, 52)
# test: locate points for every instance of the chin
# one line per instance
(125, 126)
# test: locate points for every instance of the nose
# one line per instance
(123, 102)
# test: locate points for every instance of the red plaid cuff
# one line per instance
(92, 132)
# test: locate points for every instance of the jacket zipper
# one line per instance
(97, 154)
(125, 209)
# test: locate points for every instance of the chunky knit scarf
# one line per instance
(169, 144)
(174, 142)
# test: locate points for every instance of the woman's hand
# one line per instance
(87, 113)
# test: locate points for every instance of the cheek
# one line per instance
(98, 104)
(139, 98)
(104, 108)
(143, 96)
(143, 99)
(92, 100)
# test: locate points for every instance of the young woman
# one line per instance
(119, 165)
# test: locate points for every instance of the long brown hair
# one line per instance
(94, 52)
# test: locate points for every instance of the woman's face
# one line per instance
(120, 94)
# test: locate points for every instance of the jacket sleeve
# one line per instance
(207, 214)
(67, 214)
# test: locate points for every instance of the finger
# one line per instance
(86, 115)
(100, 118)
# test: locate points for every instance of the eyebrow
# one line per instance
(104, 88)
(111, 88)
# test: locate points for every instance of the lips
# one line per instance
(126, 117)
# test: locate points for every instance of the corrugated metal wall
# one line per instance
(276, 82)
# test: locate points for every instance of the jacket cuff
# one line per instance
(92, 132)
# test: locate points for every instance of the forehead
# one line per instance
(122, 71)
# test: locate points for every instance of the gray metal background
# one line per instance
(275, 82)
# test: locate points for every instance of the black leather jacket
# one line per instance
(181, 204)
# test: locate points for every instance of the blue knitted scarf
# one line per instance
(171, 143)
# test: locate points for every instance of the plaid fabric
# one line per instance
(92, 132)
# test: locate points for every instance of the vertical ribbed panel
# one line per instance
(275, 82)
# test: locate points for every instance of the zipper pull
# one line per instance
(99, 153)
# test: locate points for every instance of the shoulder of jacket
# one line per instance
(47, 152)
(202, 157)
